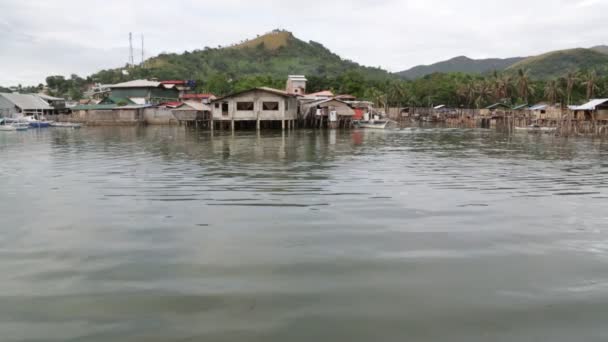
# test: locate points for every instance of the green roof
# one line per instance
(521, 106)
(116, 100)
(497, 105)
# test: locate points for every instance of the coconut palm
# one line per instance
(483, 92)
(571, 79)
(397, 93)
(524, 84)
(504, 85)
(466, 92)
(590, 82)
(553, 91)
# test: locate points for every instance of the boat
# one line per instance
(66, 125)
(373, 124)
(537, 129)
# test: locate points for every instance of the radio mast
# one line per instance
(142, 51)
(131, 59)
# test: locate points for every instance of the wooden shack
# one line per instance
(255, 108)
(318, 113)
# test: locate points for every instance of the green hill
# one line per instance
(601, 48)
(558, 63)
(460, 64)
(276, 54)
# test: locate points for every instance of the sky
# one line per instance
(39, 38)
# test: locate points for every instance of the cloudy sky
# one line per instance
(61, 37)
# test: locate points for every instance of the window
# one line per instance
(286, 105)
(217, 105)
(270, 106)
(224, 108)
(244, 106)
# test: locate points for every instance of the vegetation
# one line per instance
(555, 64)
(268, 59)
(460, 64)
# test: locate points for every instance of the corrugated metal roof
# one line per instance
(540, 106)
(197, 96)
(266, 89)
(193, 105)
(326, 93)
(27, 101)
(496, 105)
(50, 98)
(439, 107)
(521, 106)
(137, 84)
(591, 105)
(95, 107)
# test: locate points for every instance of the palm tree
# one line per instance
(466, 92)
(397, 93)
(483, 91)
(553, 91)
(571, 79)
(524, 85)
(590, 83)
(504, 86)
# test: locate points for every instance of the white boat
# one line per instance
(65, 125)
(7, 128)
(4, 127)
(373, 124)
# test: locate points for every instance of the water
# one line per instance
(162, 234)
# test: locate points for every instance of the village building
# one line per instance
(145, 91)
(296, 84)
(255, 108)
(193, 113)
(201, 98)
(332, 113)
(25, 104)
(321, 95)
(544, 113)
(594, 110)
(182, 86)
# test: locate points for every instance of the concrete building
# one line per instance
(296, 84)
(258, 107)
(145, 91)
(25, 104)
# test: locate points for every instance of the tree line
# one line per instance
(450, 89)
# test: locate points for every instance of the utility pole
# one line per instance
(131, 59)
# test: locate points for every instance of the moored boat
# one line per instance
(66, 125)
(373, 124)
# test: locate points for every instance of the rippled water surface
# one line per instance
(163, 234)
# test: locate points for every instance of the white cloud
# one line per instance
(41, 38)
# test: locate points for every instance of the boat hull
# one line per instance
(65, 125)
(40, 124)
(371, 124)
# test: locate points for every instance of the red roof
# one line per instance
(196, 96)
(176, 82)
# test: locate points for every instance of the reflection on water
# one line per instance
(166, 234)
